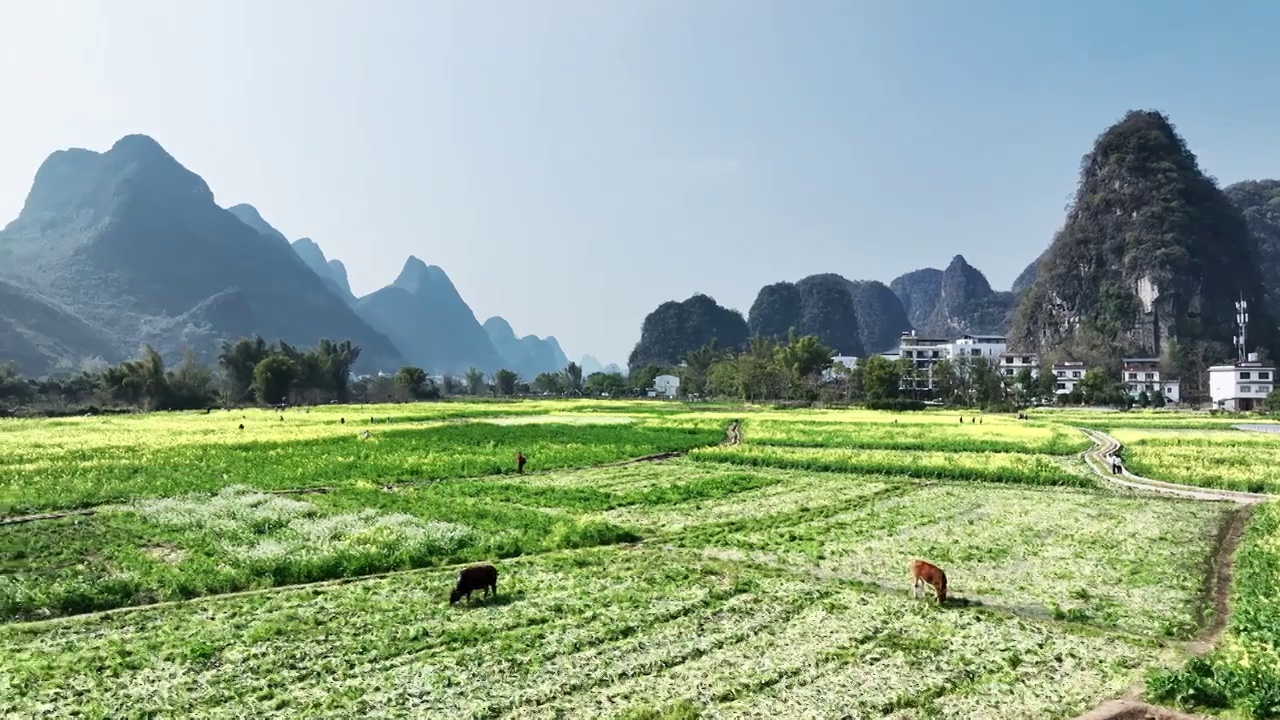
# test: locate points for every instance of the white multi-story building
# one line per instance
(1142, 375)
(1068, 375)
(923, 354)
(990, 347)
(1241, 386)
(1012, 363)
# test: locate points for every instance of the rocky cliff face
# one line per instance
(675, 329)
(953, 302)
(1259, 202)
(819, 305)
(1152, 255)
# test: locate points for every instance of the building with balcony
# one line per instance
(989, 347)
(1141, 375)
(923, 354)
(1068, 376)
(1010, 364)
(1242, 386)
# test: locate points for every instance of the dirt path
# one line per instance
(1217, 580)
(1106, 447)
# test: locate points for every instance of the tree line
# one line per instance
(251, 371)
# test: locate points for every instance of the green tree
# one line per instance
(1025, 386)
(1144, 399)
(601, 383)
(1047, 383)
(549, 383)
(804, 357)
(946, 382)
(760, 375)
(573, 377)
(139, 382)
(237, 361)
(881, 378)
(1272, 403)
(334, 361)
(273, 378)
(506, 381)
(413, 382)
(723, 379)
(475, 381)
(693, 375)
(13, 388)
(452, 386)
(1095, 386)
(190, 385)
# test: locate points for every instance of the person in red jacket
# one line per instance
(520, 462)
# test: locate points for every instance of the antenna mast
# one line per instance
(1242, 319)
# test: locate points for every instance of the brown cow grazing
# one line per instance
(520, 462)
(477, 577)
(923, 573)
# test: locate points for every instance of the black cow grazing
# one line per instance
(477, 577)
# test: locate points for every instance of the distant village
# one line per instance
(1240, 386)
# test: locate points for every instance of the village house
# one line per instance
(1242, 386)
(1012, 363)
(1142, 375)
(1068, 375)
(665, 386)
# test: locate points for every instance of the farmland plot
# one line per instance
(1227, 459)
(584, 634)
(79, 468)
(760, 580)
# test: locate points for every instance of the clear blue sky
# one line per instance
(566, 162)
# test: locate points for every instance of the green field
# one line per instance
(298, 569)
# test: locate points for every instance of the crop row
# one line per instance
(78, 477)
(1228, 459)
(999, 435)
(983, 466)
(161, 549)
(1120, 563)
(588, 633)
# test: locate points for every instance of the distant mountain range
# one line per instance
(852, 317)
(1149, 261)
(115, 249)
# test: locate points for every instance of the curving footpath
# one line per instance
(1106, 447)
(1098, 459)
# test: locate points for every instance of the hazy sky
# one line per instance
(571, 165)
